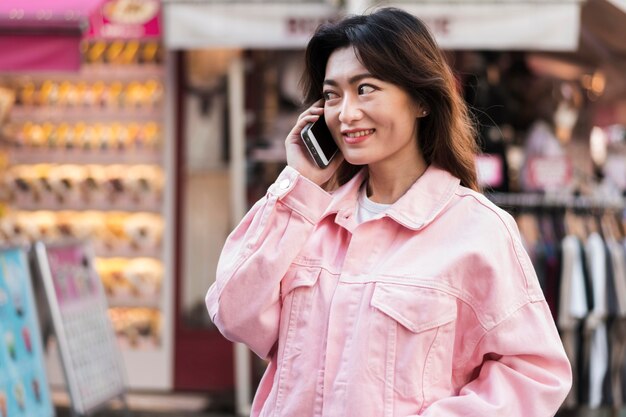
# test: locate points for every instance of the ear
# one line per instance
(422, 111)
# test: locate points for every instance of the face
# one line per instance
(372, 121)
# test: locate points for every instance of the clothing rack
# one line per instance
(578, 238)
(557, 201)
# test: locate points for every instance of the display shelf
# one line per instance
(126, 251)
(134, 301)
(106, 72)
(94, 72)
(88, 158)
(146, 205)
(85, 156)
(85, 114)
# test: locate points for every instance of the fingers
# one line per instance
(310, 115)
(307, 119)
(317, 109)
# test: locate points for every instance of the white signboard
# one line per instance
(241, 25)
(471, 24)
(532, 26)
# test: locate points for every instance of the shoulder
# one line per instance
(485, 213)
(496, 258)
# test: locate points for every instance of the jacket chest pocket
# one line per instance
(411, 337)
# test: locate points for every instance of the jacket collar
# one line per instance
(421, 203)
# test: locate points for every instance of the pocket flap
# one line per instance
(299, 276)
(416, 308)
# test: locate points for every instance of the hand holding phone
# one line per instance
(304, 161)
(319, 142)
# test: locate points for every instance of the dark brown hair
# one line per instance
(397, 47)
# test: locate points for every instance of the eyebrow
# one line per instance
(351, 80)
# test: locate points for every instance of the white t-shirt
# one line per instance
(366, 209)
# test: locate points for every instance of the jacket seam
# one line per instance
(305, 217)
(451, 291)
(511, 238)
(445, 199)
(491, 330)
(251, 246)
(313, 264)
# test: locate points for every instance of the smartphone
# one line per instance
(319, 142)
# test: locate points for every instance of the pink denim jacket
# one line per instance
(431, 310)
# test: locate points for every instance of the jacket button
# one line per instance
(284, 184)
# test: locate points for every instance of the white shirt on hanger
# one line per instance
(596, 322)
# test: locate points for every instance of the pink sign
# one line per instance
(127, 19)
(550, 173)
(74, 278)
(490, 170)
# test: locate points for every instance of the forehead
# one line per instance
(343, 63)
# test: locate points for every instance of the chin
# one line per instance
(358, 159)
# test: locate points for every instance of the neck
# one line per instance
(388, 182)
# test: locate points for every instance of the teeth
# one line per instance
(360, 133)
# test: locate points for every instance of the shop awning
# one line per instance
(191, 24)
(43, 34)
(472, 24)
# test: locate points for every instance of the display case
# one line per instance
(86, 156)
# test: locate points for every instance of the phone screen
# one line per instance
(324, 137)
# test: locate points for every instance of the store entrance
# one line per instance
(203, 359)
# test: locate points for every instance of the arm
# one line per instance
(244, 301)
(520, 370)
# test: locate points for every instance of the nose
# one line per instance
(350, 110)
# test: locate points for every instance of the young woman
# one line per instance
(385, 285)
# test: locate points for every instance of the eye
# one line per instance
(329, 95)
(366, 89)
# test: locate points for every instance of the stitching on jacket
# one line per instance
(461, 193)
(313, 263)
(489, 331)
(434, 285)
(426, 373)
(305, 217)
(433, 214)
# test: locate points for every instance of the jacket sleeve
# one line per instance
(244, 301)
(519, 370)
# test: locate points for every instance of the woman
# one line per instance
(403, 291)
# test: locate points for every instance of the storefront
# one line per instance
(171, 123)
(87, 155)
(519, 63)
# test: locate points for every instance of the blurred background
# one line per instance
(150, 127)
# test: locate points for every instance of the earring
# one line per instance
(425, 112)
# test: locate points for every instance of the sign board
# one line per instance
(24, 388)
(549, 173)
(90, 356)
(127, 19)
(494, 25)
(190, 25)
(490, 170)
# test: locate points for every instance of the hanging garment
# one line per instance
(595, 324)
(611, 322)
(618, 334)
(572, 308)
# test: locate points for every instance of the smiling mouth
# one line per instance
(360, 133)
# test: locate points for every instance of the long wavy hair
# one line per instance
(398, 48)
